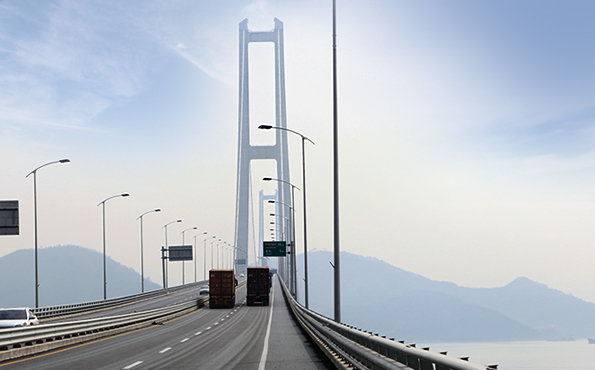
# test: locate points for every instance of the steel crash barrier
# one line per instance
(78, 308)
(351, 348)
(18, 342)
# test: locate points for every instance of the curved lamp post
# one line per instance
(164, 265)
(217, 250)
(34, 172)
(293, 247)
(195, 257)
(281, 231)
(102, 203)
(204, 271)
(222, 264)
(268, 127)
(212, 252)
(290, 210)
(184, 262)
(142, 271)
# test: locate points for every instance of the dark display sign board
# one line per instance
(9, 217)
(180, 253)
(274, 249)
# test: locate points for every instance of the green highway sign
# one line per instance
(274, 249)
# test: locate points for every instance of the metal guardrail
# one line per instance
(38, 334)
(361, 350)
(30, 340)
(78, 308)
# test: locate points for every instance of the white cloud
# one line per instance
(71, 66)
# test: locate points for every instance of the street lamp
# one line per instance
(290, 239)
(165, 265)
(229, 254)
(184, 262)
(102, 203)
(204, 271)
(218, 250)
(212, 252)
(282, 229)
(221, 265)
(336, 234)
(293, 247)
(34, 172)
(268, 127)
(195, 257)
(142, 273)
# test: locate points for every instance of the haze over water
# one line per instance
(537, 355)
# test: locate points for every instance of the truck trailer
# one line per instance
(258, 286)
(222, 290)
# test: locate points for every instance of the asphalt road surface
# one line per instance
(241, 337)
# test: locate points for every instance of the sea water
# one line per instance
(534, 355)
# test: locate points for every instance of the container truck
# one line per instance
(258, 286)
(222, 290)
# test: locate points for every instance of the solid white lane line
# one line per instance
(133, 365)
(165, 350)
(199, 333)
(183, 340)
(265, 350)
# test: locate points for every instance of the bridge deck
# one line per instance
(234, 338)
(289, 347)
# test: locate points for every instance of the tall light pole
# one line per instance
(291, 242)
(142, 271)
(212, 252)
(291, 238)
(268, 127)
(282, 230)
(293, 247)
(164, 264)
(229, 254)
(217, 249)
(231, 259)
(195, 257)
(204, 271)
(102, 203)
(184, 262)
(34, 172)
(221, 265)
(336, 248)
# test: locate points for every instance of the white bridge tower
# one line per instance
(248, 152)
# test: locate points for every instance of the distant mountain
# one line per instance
(67, 274)
(437, 317)
(379, 297)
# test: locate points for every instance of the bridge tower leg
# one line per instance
(248, 152)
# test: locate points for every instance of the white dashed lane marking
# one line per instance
(133, 365)
(182, 341)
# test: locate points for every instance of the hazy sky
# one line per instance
(467, 128)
